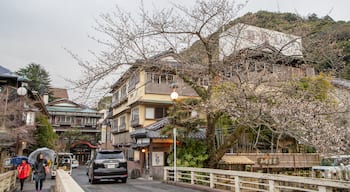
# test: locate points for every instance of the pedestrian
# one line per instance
(40, 169)
(23, 170)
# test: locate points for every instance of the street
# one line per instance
(132, 185)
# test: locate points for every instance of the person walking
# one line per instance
(23, 170)
(40, 167)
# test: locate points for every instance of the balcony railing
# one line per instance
(75, 124)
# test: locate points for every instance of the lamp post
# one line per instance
(174, 95)
(21, 91)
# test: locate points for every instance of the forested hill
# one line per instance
(326, 42)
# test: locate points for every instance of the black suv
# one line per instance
(108, 164)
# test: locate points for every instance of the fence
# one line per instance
(250, 181)
(8, 181)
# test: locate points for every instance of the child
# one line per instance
(23, 172)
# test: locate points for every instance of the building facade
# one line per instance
(141, 98)
(76, 126)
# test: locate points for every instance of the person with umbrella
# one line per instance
(40, 168)
(23, 172)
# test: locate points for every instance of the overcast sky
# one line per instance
(39, 30)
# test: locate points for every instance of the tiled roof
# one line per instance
(59, 93)
(158, 124)
(70, 109)
(4, 70)
(154, 131)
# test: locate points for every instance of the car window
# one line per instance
(110, 155)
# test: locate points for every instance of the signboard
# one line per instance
(103, 134)
(267, 160)
(30, 118)
(143, 141)
(157, 158)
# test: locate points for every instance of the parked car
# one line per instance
(108, 164)
(75, 163)
(62, 161)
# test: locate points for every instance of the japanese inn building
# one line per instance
(66, 115)
(141, 97)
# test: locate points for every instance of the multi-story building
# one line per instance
(141, 98)
(67, 116)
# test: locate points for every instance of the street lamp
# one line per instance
(174, 95)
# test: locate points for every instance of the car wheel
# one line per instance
(124, 180)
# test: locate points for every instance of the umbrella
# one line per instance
(49, 154)
(17, 160)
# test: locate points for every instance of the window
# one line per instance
(163, 79)
(78, 121)
(155, 113)
(90, 121)
(110, 155)
(156, 78)
(115, 97)
(135, 114)
(160, 78)
(64, 119)
(122, 123)
(149, 113)
(134, 79)
(114, 124)
(159, 112)
(123, 92)
(203, 81)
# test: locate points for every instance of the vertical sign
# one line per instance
(103, 133)
(30, 118)
(157, 158)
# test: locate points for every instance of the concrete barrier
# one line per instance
(65, 183)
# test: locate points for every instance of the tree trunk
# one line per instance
(210, 139)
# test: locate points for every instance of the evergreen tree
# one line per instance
(44, 134)
(38, 76)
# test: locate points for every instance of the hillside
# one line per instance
(326, 43)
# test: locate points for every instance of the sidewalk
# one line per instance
(29, 186)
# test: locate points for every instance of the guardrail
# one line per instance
(65, 183)
(8, 181)
(250, 181)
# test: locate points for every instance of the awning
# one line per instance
(236, 160)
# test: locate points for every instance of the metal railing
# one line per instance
(250, 181)
(8, 181)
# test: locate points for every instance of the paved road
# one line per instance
(132, 185)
